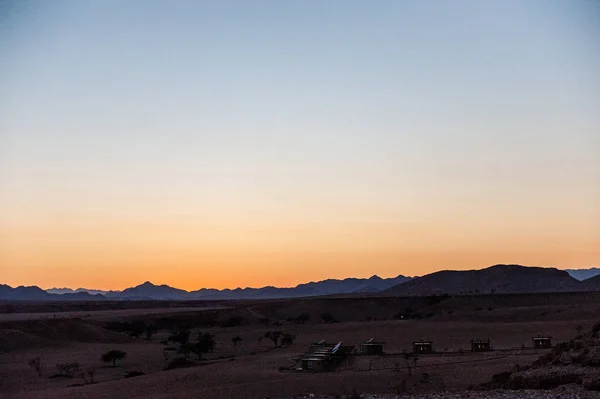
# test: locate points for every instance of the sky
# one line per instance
(251, 143)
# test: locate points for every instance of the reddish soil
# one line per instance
(252, 370)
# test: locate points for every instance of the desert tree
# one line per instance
(136, 328)
(207, 340)
(181, 337)
(149, 331)
(236, 340)
(188, 348)
(112, 356)
(36, 364)
(204, 343)
(274, 336)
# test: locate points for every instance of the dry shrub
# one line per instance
(179, 362)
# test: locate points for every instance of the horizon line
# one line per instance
(301, 283)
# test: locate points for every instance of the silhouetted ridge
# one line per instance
(592, 284)
(583, 274)
(494, 279)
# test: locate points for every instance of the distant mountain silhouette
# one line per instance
(149, 291)
(325, 287)
(498, 279)
(61, 291)
(34, 293)
(583, 274)
(23, 293)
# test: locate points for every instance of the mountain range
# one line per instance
(583, 274)
(34, 293)
(494, 279)
(61, 291)
(148, 290)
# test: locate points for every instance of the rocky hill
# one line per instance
(494, 279)
(574, 362)
(34, 293)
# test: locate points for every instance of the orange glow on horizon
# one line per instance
(190, 258)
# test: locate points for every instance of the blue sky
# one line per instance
(281, 114)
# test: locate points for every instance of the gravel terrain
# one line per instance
(564, 392)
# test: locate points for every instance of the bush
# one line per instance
(274, 336)
(301, 319)
(136, 328)
(88, 376)
(113, 356)
(181, 337)
(179, 362)
(328, 318)
(68, 369)
(186, 349)
(149, 331)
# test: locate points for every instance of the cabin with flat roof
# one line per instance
(316, 364)
(481, 345)
(423, 346)
(371, 347)
(541, 342)
(323, 356)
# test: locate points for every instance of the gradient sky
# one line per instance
(251, 143)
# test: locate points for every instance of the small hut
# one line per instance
(314, 364)
(481, 345)
(371, 347)
(322, 356)
(540, 341)
(423, 346)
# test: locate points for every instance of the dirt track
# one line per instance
(101, 314)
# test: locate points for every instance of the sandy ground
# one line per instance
(253, 369)
(566, 392)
